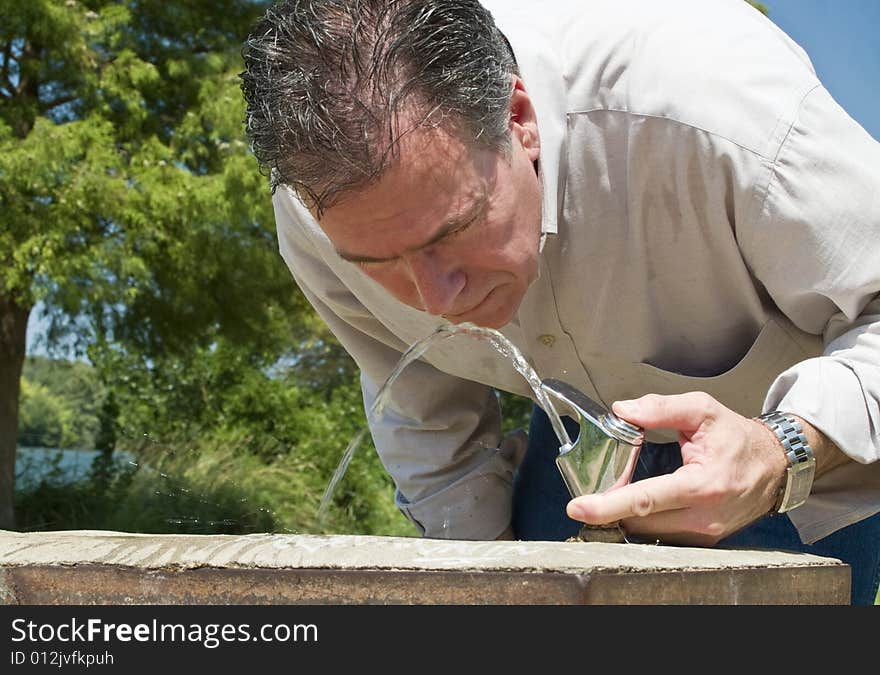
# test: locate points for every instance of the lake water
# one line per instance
(33, 464)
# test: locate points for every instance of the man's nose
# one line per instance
(437, 279)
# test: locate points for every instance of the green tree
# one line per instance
(77, 390)
(43, 417)
(133, 210)
(760, 6)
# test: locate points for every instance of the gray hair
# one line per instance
(329, 83)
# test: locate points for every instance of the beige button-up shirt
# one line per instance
(712, 223)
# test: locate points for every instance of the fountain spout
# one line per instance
(602, 457)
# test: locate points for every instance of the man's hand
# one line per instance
(733, 467)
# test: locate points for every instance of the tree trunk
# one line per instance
(13, 343)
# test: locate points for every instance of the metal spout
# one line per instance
(605, 452)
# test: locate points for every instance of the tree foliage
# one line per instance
(133, 211)
(61, 404)
(760, 6)
(131, 198)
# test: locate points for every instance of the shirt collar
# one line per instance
(542, 74)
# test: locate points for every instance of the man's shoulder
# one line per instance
(716, 65)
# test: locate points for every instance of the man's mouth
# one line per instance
(459, 317)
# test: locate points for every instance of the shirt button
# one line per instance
(547, 340)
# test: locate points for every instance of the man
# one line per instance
(657, 202)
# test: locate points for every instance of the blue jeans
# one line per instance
(540, 496)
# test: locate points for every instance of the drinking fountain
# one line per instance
(601, 458)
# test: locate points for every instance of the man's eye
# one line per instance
(461, 229)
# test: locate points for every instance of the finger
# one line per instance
(642, 498)
(676, 526)
(684, 412)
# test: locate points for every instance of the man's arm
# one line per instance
(815, 247)
(828, 455)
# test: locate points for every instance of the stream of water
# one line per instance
(501, 344)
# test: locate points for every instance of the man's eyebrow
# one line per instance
(473, 213)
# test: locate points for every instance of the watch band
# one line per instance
(801, 463)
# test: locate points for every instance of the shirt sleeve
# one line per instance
(816, 249)
(439, 435)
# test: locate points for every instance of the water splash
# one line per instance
(339, 473)
(501, 344)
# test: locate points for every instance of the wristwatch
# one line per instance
(801, 463)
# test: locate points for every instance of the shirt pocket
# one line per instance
(741, 388)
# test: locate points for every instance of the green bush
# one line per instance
(220, 484)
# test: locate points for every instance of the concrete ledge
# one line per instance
(87, 567)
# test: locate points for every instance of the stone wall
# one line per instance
(88, 567)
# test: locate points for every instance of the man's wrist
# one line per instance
(801, 470)
(828, 455)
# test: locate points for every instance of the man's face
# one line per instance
(449, 229)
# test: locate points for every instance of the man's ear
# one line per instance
(523, 121)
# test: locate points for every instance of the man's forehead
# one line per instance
(430, 165)
(412, 199)
(375, 243)
(429, 151)
(418, 201)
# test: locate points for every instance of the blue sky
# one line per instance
(843, 41)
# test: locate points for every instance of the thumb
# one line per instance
(684, 412)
